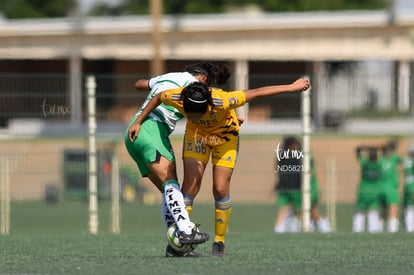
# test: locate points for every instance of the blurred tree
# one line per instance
(37, 8)
(61, 8)
(219, 6)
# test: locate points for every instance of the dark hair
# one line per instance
(222, 74)
(196, 97)
(216, 74)
(289, 141)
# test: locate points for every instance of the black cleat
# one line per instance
(218, 249)
(170, 252)
(195, 237)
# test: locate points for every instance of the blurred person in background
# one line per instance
(390, 184)
(288, 189)
(367, 203)
(154, 154)
(408, 199)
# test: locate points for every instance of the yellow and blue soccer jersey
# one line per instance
(220, 120)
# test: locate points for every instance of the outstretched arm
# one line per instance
(142, 84)
(134, 129)
(299, 85)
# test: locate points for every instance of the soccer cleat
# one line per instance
(218, 249)
(195, 237)
(170, 252)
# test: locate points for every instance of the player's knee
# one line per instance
(224, 203)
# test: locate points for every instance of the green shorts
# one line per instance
(368, 197)
(389, 196)
(294, 198)
(152, 143)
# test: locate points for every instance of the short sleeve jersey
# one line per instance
(220, 119)
(389, 166)
(409, 170)
(370, 170)
(164, 113)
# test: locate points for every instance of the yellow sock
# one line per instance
(221, 223)
(189, 209)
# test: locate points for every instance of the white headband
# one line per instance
(197, 101)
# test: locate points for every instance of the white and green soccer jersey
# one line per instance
(164, 113)
(409, 181)
(409, 170)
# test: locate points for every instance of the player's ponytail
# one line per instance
(196, 97)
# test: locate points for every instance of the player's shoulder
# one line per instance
(172, 80)
(172, 94)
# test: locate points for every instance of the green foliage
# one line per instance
(36, 8)
(61, 8)
(219, 6)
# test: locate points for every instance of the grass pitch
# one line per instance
(53, 239)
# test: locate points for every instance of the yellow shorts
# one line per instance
(223, 149)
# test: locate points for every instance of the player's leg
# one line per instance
(409, 208)
(154, 156)
(374, 219)
(283, 206)
(223, 206)
(294, 220)
(393, 201)
(409, 218)
(358, 220)
(321, 223)
(224, 157)
(195, 158)
(163, 175)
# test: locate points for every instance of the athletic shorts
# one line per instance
(152, 143)
(223, 152)
(368, 197)
(390, 196)
(294, 198)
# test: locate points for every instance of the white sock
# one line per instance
(373, 221)
(358, 223)
(167, 218)
(409, 218)
(293, 224)
(323, 225)
(393, 225)
(280, 228)
(175, 203)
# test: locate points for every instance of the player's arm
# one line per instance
(299, 85)
(142, 84)
(134, 129)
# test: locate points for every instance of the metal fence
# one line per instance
(44, 149)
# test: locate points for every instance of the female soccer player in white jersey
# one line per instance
(154, 155)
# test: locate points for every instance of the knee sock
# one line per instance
(174, 202)
(374, 221)
(188, 201)
(358, 223)
(167, 218)
(409, 218)
(222, 217)
(393, 225)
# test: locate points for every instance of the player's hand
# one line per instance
(301, 84)
(133, 131)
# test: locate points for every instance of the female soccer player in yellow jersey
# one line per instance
(154, 155)
(212, 129)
